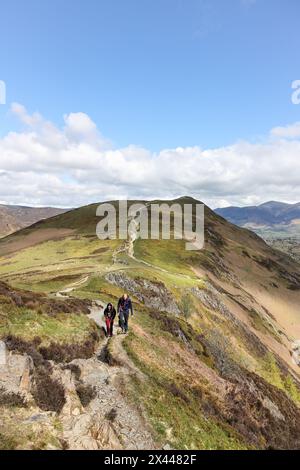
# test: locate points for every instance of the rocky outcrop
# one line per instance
(154, 294)
(107, 421)
(15, 372)
(211, 299)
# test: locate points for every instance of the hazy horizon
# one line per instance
(133, 198)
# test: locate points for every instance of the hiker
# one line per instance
(109, 315)
(124, 309)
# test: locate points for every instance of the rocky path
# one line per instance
(110, 421)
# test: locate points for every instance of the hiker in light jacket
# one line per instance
(110, 315)
(124, 309)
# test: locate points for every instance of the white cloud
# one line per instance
(289, 132)
(80, 123)
(75, 165)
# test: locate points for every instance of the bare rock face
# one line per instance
(92, 432)
(106, 436)
(72, 406)
(15, 372)
(152, 293)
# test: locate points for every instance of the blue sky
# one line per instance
(157, 74)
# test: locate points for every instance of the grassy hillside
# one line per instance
(212, 335)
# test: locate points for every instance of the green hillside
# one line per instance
(209, 350)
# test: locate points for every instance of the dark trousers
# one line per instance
(124, 316)
(109, 326)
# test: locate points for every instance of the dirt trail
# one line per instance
(71, 287)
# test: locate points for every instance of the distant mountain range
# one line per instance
(271, 217)
(13, 218)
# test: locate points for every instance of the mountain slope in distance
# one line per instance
(14, 218)
(276, 222)
(266, 215)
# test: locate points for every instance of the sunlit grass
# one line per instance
(61, 328)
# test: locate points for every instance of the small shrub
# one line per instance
(86, 394)
(107, 357)
(48, 393)
(271, 372)
(30, 348)
(32, 305)
(245, 253)
(68, 352)
(219, 348)
(11, 399)
(111, 415)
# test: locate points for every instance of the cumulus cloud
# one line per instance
(289, 132)
(76, 165)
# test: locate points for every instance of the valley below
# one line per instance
(288, 245)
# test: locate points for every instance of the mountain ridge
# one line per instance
(212, 351)
(269, 213)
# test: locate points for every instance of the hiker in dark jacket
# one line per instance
(109, 315)
(124, 309)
